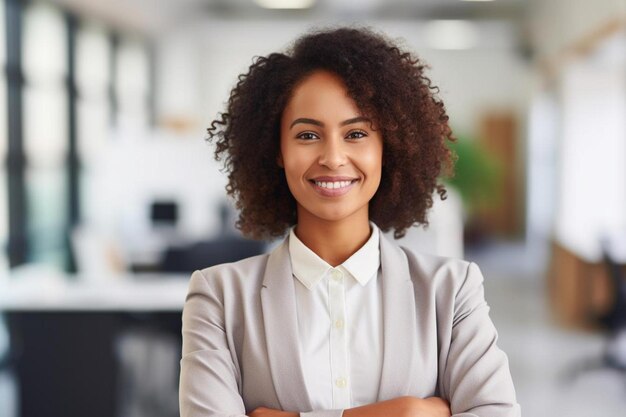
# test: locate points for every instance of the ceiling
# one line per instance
(152, 16)
(418, 9)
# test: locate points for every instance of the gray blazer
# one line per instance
(240, 348)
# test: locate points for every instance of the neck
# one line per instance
(333, 241)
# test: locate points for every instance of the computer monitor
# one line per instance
(164, 213)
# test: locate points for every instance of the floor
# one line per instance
(541, 353)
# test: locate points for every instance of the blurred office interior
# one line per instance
(110, 197)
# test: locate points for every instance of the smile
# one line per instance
(333, 188)
(332, 185)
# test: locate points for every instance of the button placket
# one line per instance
(338, 340)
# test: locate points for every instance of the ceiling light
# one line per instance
(451, 34)
(285, 4)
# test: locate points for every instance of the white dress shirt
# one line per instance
(340, 324)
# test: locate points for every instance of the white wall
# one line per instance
(557, 24)
(179, 73)
(591, 197)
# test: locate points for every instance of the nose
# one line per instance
(333, 153)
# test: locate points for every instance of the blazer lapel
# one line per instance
(278, 303)
(399, 322)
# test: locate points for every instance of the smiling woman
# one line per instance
(330, 143)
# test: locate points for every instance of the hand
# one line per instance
(403, 407)
(270, 412)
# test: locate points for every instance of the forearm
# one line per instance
(402, 407)
(405, 406)
(398, 407)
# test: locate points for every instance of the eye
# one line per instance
(356, 134)
(307, 136)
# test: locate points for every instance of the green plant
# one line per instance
(477, 175)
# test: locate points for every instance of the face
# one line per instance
(331, 154)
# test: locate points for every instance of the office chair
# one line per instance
(227, 246)
(613, 321)
(207, 253)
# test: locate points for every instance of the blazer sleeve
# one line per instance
(476, 376)
(209, 383)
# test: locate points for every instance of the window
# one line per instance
(93, 79)
(132, 86)
(62, 134)
(44, 58)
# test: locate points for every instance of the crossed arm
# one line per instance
(398, 407)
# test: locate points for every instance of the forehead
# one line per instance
(321, 95)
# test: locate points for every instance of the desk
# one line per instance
(132, 292)
(579, 284)
(65, 339)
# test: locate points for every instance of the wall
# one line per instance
(591, 198)
(557, 24)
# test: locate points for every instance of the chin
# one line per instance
(331, 215)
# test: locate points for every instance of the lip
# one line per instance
(333, 179)
(335, 192)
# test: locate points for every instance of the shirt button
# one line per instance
(336, 274)
(339, 323)
(341, 382)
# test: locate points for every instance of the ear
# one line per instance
(279, 160)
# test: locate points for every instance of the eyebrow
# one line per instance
(306, 120)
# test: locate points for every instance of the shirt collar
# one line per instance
(309, 268)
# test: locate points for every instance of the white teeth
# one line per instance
(332, 185)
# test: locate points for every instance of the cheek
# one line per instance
(295, 164)
(291, 161)
(373, 161)
(297, 158)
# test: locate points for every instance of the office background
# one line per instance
(110, 197)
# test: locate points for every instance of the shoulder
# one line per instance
(441, 275)
(424, 267)
(455, 284)
(431, 265)
(243, 273)
(237, 282)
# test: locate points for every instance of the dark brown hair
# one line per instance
(388, 86)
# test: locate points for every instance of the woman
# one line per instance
(331, 143)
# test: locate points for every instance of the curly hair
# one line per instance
(387, 84)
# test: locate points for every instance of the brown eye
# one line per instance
(356, 134)
(307, 136)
